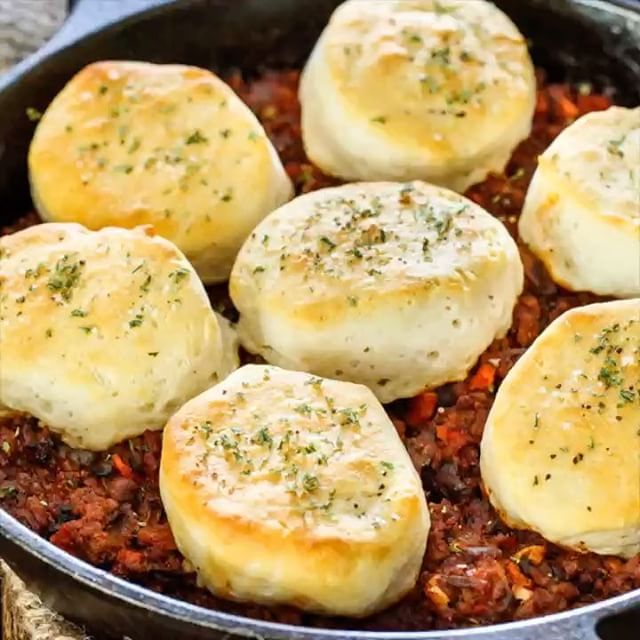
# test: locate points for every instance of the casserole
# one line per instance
(601, 46)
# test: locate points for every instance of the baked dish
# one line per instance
(271, 350)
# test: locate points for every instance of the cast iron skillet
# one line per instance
(575, 40)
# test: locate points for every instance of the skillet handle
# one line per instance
(87, 16)
(624, 625)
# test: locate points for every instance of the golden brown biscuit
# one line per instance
(130, 143)
(435, 90)
(582, 211)
(399, 286)
(104, 334)
(561, 447)
(284, 488)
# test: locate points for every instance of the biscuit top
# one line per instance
(353, 246)
(597, 160)
(131, 143)
(103, 333)
(63, 280)
(444, 75)
(291, 451)
(561, 449)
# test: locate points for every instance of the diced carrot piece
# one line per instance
(442, 432)
(483, 378)
(542, 103)
(435, 593)
(563, 104)
(590, 103)
(122, 467)
(516, 577)
(569, 110)
(453, 438)
(421, 408)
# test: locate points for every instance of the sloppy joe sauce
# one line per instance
(106, 508)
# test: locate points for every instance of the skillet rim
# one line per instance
(136, 596)
(165, 607)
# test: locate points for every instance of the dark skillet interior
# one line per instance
(581, 40)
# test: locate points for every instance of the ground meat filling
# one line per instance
(106, 508)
